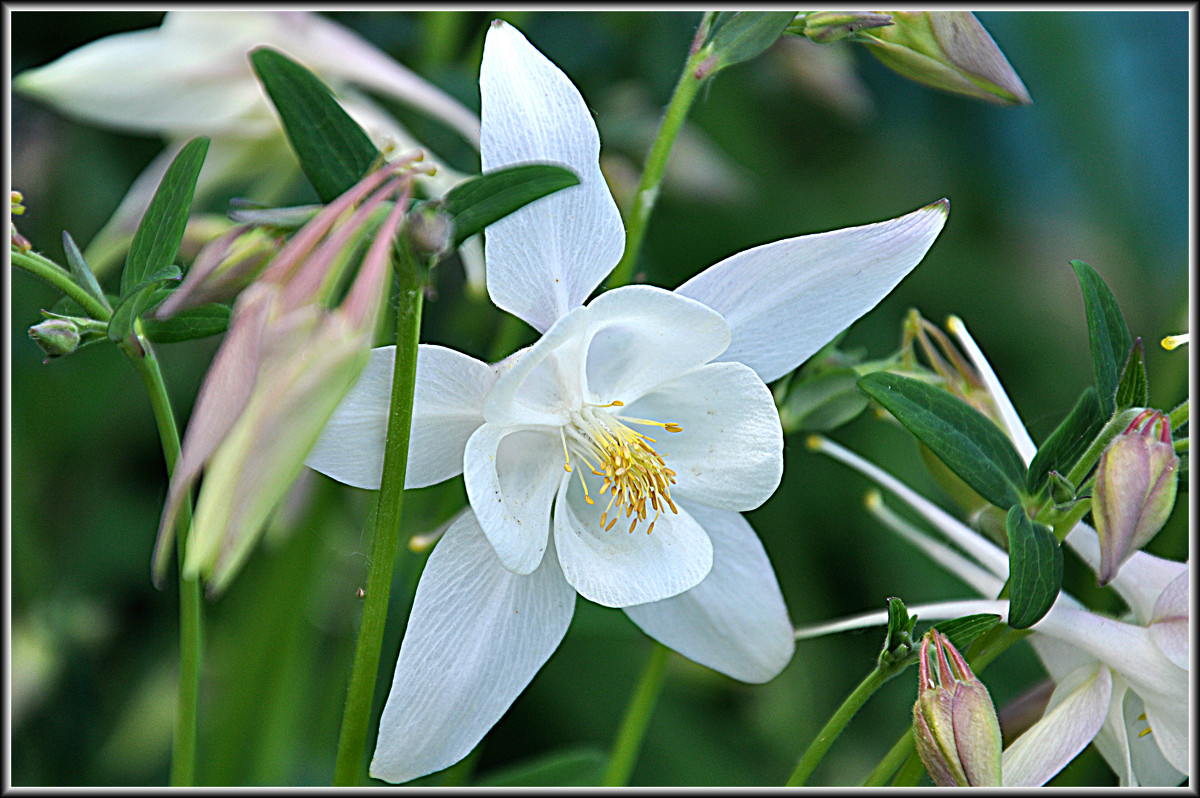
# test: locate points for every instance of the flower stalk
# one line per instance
(637, 718)
(352, 739)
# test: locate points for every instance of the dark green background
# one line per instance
(1095, 169)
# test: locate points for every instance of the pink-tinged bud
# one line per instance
(832, 26)
(954, 721)
(56, 337)
(222, 268)
(1135, 489)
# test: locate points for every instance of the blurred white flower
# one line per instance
(561, 441)
(192, 77)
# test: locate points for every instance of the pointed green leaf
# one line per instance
(157, 239)
(1035, 564)
(963, 438)
(582, 767)
(197, 322)
(1133, 389)
(963, 631)
(898, 642)
(81, 271)
(136, 301)
(1068, 441)
(1108, 337)
(747, 34)
(823, 402)
(474, 204)
(334, 151)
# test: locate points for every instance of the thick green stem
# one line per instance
(656, 161)
(1179, 416)
(61, 279)
(892, 760)
(816, 750)
(637, 718)
(183, 752)
(357, 713)
(910, 772)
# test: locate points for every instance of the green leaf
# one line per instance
(963, 631)
(474, 204)
(963, 438)
(81, 271)
(198, 322)
(583, 767)
(136, 301)
(823, 402)
(898, 642)
(1068, 441)
(334, 151)
(747, 34)
(1133, 388)
(157, 239)
(1108, 337)
(1035, 562)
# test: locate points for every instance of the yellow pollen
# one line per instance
(1144, 732)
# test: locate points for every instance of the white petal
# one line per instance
(541, 384)
(730, 452)
(639, 336)
(447, 408)
(512, 476)
(546, 258)
(734, 621)
(1150, 767)
(619, 568)
(787, 299)
(1169, 626)
(1167, 717)
(1080, 707)
(477, 635)
(1142, 578)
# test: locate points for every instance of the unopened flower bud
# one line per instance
(948, 50)
(1136, 481)
(222, 268)
(56, 337)
(832, 26)
(1061, 489)
(430, 231)
(954, 722)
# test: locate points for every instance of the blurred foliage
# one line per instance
(802, 139)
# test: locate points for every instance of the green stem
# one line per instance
(183, 752)
(656, 160)
(1115, 426)
(61, 279)
(357, 714)
(1179, 416)
(910, 772)
(637, 718)
(892, 760)
(835, 725)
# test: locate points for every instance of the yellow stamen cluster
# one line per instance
(636, 476)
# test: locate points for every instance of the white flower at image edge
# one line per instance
(614, 456)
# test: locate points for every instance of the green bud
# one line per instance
(954, 722)
(831, 26)
(56, 337)
(430, 231)
(1061, 489)
(948, 50)
(1136, 481)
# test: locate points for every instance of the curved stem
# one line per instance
(656, 159)
(61, 279)
(910, 772)
(183, 751)
(892, 760)
(356, 716)
(637, 718)
(835, 725)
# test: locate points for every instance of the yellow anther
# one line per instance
(1144, 732)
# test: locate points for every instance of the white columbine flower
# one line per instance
(1122, 684)
(613, 457)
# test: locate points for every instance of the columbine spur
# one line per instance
(613, 457)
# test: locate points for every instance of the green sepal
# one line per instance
(474, 204)
(156, 242)
(581, 767)
(1068, 441)
(81, 271)
(823, 402)
(197, 322)
(1108, 336)
(742, 35)
(334, 151)
(898, 642)
(1133, 387)
(1035, 565)
(960, 436)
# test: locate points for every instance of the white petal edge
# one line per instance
(547, 257)
(512, 475)
(787, 299)
(735, 621)
(476, 636)
(447, 409)
(1169, 626)
(730, 451)
(1079, 708)
(619, 568)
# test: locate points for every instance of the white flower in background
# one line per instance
(192, 77)
(1115, 679)
(613, 457)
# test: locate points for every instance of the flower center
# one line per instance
(635, 475)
